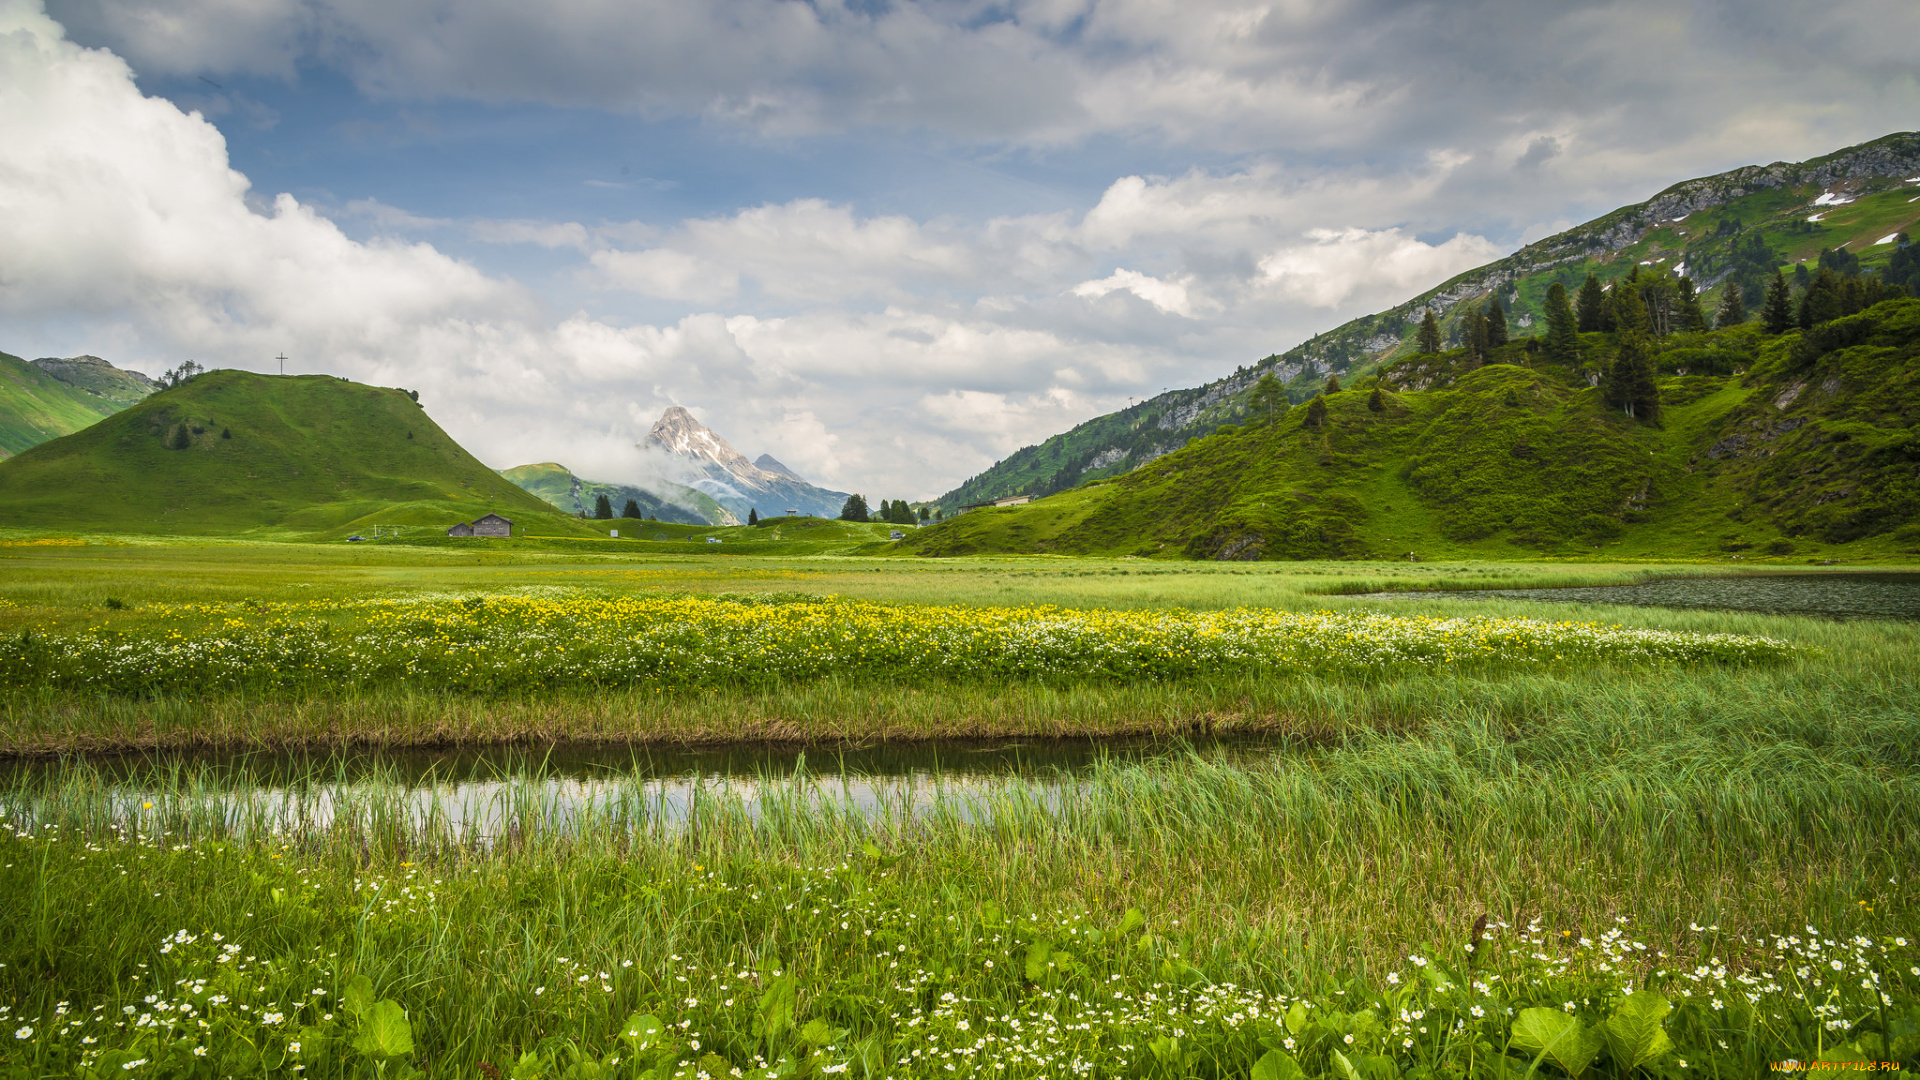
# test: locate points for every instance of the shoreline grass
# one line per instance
(1176, 885)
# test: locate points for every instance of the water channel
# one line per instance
(484, 794)
(1837, 596)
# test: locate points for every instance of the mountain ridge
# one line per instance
(1755, 200)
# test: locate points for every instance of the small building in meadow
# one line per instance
(490, 525)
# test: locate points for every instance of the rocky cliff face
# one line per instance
(99, 378)
(697, 456)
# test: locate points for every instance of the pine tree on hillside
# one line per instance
(1628, 313)
(1778, 314)
(603, 508)
(753, 515)
(1427, 341)
(1316, 413)
(923, 513)
(1376, 401)
(1592, 306)
(1474, 334)
(1630, 386)
(1821, 302)
(1732, 312)
(1496, 323)
(632, 509)
(1563, 331)
(1268, 393)
(1659, 300)
(1333, 384)
(1687, 314)
(855, 508)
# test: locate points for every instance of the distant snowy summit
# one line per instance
(698, 457)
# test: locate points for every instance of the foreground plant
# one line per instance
(854, 968)
(493, 644)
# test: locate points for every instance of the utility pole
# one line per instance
(283, 361)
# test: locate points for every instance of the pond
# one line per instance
(1838, 596)
(486, 794)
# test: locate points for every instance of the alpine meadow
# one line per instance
(841, 592)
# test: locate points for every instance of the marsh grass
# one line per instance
(1305, 875)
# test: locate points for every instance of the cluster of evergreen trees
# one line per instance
(894, 512)
(603, 509)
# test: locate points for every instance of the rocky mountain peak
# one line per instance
(679, 433)
(768, 463)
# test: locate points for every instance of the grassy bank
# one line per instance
(1177, 918)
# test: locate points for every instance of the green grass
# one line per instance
(1711, 806)
(231, 452)
(1809, 455)
(36, 407)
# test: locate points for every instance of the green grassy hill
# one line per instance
(1791, 447)
(558, 486)
(35, 406)
(1724, 231)
(231, 452)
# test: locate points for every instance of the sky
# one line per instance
(888, 242)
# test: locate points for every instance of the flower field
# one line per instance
(501, 643)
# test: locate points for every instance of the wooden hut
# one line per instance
(492, 525)
(462, 529)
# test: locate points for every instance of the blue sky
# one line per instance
(886, 242)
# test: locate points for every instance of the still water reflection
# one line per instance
(1839, 596)
(487, 794)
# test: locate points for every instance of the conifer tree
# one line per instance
(854, 509)
(1496, 323)
(1316, 413)
(1592, 306)
(1333, 384)
(1687, 311)
(1732, 311)
(1376, 401)
(1268, 393)
(1474, 334)
(1563, 331)
(1778, 314)
(1627, 312)
(1630, 385)
(1822, 300)
(753, 515)
(603, 508)
(1427, 341)
(632, 509)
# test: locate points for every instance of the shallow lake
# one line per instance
(1839, 596)
(484, 794)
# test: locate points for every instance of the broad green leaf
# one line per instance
(1132, 920)
(1037, 960)
(1342, 1068)
(358, 997)
(776, 1007)
(384, 1031)
(530, 1067)
(1848, 1052)
(1554, 1036)
(1277, 1065)
(817, 1032)
(1634, 1033)
(640, 1031)
(1297, 1018)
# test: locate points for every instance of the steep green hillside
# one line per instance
(1790, 446)
(1729, 230)
(557, 485)
(231, 452)
(35, 406)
